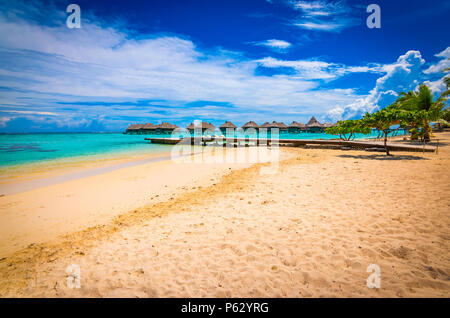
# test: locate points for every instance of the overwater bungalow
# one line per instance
(165, 128)
(314, 125)
(282, 126)
(273, 125)
(296, 127)
(227, 126)
(250, 124)
(134, 129)
(266, 125)
(148, 128)
(204, 126)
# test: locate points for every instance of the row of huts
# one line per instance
(313, 125)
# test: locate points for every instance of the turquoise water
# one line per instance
(30, 148)
(17, 149)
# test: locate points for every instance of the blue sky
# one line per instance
(166, 60)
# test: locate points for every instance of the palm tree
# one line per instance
(422, 101)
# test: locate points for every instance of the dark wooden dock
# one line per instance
(220, 141)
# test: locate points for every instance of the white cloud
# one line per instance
(312, 69)
(437, 86)
(327, 16)
(308, 6)
(29, 112)
(319, 26)
(276, 44)
(304, 68)
(442, 64)
(400, 76)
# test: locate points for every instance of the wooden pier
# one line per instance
(220, 141)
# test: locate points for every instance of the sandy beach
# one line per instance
(165, 229)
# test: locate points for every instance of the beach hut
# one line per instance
(282, 126)
(165, 128)
(227, 126)
(296, 127)
(204, 126)
(276, 124)
(250, 124)
(314, 125)
(273, 125)
(264, 127)
(148, 128)
(134, 129)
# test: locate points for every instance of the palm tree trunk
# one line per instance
(385, 143)
(426, 132)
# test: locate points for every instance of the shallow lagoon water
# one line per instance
(19, 149)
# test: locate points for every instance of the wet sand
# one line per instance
(309, 230)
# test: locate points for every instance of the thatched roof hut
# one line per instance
(149, 126)
(328, 125)
(313, 122)
(273, 124)
(250, 124)
(295, 124)
(166, 126)
(204, 126)
(296, 127)
(227, 124)
(135, 127)
(282, 126)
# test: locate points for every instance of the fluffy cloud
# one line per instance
(436, 71)
(403, 75)
(442, 64)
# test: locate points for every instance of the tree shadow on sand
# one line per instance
(384, 157)
(432, 143)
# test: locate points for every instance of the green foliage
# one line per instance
(347, 129)
(414, 133)
(447, 82)
(415, 109)
(423, 108)
(446, 114)
(387, 117)
(422, 100)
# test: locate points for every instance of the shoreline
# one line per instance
(90, 197)
(28, 176)
(88, 160)
(45, 168)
